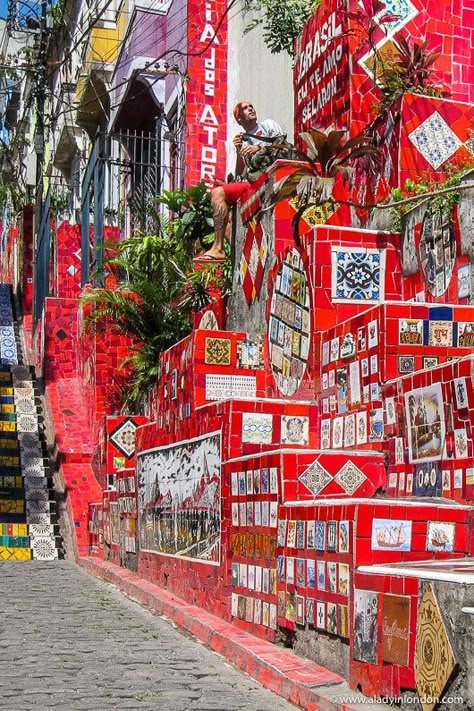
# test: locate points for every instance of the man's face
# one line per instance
(247, 113)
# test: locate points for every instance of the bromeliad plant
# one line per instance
(327, 156)
(411, 70)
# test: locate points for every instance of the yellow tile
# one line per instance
(9, 443)
(15, 553)
(11, 505)
(7, 407)
(8, 461)
(7, 426)
(5, 376)
(6, 391)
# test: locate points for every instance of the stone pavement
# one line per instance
(71, 641)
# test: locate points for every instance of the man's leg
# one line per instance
(221, 210)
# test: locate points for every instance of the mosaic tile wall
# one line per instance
(336, 78)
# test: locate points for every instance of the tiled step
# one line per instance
(28, 520)
(34, 542)
(12, 506)
(27, 494)
(25, 529)
(15, 553)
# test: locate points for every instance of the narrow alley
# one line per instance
(70, 641)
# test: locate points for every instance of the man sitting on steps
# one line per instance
(225, 196)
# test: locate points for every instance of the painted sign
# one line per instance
(206, 92)
(322, 70)
(395, 628)
(179, 499)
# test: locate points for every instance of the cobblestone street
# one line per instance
(73, 642)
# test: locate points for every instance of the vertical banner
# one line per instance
(206, 93)
(322, 70)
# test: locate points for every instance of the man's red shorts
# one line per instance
(236, 191)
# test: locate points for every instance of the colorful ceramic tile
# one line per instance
(430, 361)
(357, 274)
(325, 434)
(291, 534)
(217, 351)
(410, 331)
(390, 414)
(310, 610)
(343, 579)
(406, 364)
(294, 430)
(464, 281)
(343, 540)
(426, 423)
(460, 443)
(290, 607)
(440, 536)
(321, 574)
(342, 621)
(395, 631)
(354, 383)
(321, 615)
(361, 427)
(273, 480)
(310, 535)
(350, 477)
(300, 534)
(390, 534)
(310, 573)
(300, 572)
(332, 530)
(257, 428)
(349, 431)
(373, 334)
(348, 347)
(435, 140)
(440, 333)
(366, 630)
(376, 424)
(342, 390)
(465, 335)
(315, 478)
(225, 387)
(434, 658)
(331, 619)
(332, 577)
(123, 437)
(320, 535)
(460, 391)
(338, 433)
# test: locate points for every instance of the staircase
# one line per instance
(28, 521)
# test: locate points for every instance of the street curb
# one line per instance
(277, 669)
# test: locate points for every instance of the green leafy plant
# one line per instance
(327, 156)
(443, 203)
(193, 214)
(282, 22)
(158, 294)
